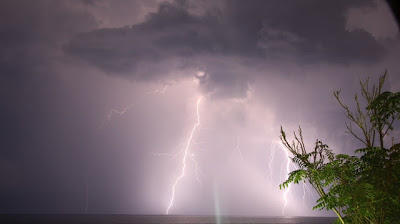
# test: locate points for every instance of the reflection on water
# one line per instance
(159, 219)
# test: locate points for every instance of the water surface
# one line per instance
(159, 219)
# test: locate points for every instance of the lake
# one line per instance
(160, 219)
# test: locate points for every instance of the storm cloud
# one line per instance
(305, 32)
(65, 66)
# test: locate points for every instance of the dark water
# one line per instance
(153, 219)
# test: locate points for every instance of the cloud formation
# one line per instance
(265, 30)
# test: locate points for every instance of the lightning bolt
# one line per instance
(115, 111)
(191, 156)
(170, 155)
(306, 188)
(127, 108)
(286, 163)
(287, 173)
(186, 154)
(120, 112)
(197, 170)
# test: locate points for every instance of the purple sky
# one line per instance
(69, 68)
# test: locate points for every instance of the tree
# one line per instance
(359, 189)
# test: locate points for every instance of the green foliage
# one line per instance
(295, 177)
(359, 189)
(386, 108)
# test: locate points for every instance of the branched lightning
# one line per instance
(120, 112)
(186, 154)
(185, 147)
(127, 108)
(197, 170)
(191, 156)
(168, 154)
(287, 173)
(306, 188)
(115, 111)
(165, 154)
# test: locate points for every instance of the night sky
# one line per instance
(98, 100)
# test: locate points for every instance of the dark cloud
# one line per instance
(307, 31)
(170, 33)
(310, 31)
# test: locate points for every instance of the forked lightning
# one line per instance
(185, 155)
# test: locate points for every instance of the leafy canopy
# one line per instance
(363, 188)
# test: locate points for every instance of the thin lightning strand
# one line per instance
(191, 156)
(127, 108)
(186, 154)
(165, 154)
(287, 171)
(306, 188)
(115, 111)
(168, 154)
(197, 170)
(120, 112)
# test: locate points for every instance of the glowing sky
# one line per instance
(99, 100)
